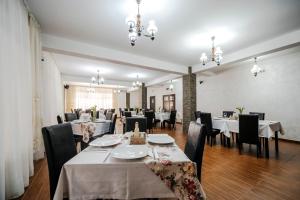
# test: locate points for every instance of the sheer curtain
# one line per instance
(85, 98)
(35, 46)
(16, 163)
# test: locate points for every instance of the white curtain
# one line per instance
(52, 100)
(16, 164)
(35, 46)
(101, 97)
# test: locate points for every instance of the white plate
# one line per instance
(130, 152)
(105, 141)
(160, 139)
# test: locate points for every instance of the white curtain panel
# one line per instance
(35, 46)
(52, 100)
(101, 97)
(16, 163)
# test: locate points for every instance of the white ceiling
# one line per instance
(181, 24)
(75, 66)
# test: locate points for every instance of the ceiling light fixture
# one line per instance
(136, 29)
(216, 54)
(256, 69)
(98, 80)
(118, 91)
(137, 83)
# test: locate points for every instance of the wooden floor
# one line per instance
(225, 173)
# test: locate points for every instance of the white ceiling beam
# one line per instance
(280, 43)
(74, 48)
(162, 79)
(82, 79)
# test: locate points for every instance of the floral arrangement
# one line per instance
(94, 111)
(240, 109)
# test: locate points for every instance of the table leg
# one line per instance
(266, 140)
(276, 143)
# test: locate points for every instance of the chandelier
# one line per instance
(216, 54)
(256, 69)
(117, 91)
(97, 80)
(137, 83)
(136, 29)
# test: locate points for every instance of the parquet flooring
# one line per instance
(225, 173)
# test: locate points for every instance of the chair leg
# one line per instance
(240, 148)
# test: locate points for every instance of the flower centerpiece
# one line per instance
(94, 111)
(240, 109)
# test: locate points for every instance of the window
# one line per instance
(169, 102)
(86, 98)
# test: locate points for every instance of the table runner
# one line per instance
(180, 177)
(101, 127)
(95, 174)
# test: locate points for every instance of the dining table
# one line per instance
(99, 172)
(162, 116)
(267, 129)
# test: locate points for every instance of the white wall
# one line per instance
(136, 99)
(159, 90)
(275, 92)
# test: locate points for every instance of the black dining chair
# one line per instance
(70, 117)
(211, 132)
(248, 132)
(227, 114)
(197, 114)
(130, 123)
(59, 119)
(113, 110)
(127, 114)
(261, 116)
(108, 115)
(156, 120)
(150, 119)
(194, 146)
(112, 124)
(77, 112)
(131, 109)
(60, 147)
(172, 120)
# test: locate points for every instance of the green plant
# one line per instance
(240, 109)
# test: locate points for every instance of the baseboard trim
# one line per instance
(290, 141)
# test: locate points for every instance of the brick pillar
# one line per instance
(144, 96)
(189, 98)
(127, 100)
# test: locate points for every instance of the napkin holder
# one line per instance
(137, 137)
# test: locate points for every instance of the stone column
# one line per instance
(189, 98)
(127, 100)
(144, 96)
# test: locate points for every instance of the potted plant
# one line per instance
(240, 109)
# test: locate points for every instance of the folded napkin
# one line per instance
(180, 177)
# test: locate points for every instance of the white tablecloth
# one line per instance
(162, 116)
(102, 126)
(266, 128)
(95, 174)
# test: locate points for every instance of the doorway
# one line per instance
(152, 103)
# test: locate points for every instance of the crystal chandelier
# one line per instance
(136, 29)
(98, 80)
(216, 54)
(256, 69)
(137, 83)
(117, 91)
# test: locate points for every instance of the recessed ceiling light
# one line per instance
(203, 39)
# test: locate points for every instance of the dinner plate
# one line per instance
(130, 152)
(160, 139)
(105, 141)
